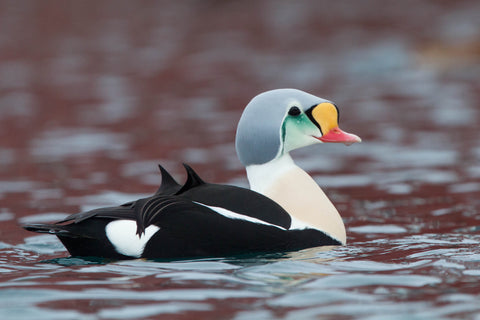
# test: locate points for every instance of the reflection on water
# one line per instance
(305, 284)
(63, 143)
(92, 98)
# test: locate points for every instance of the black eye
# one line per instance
(294, 111)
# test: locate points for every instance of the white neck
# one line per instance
(292, 188)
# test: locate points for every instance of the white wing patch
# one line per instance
(233, 215)
(123, 236)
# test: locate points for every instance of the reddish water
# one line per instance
(94, 95)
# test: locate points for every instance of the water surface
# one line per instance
(93, 96)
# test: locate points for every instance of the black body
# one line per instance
(188, 228)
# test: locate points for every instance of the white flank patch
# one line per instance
(233, 215)
(298, 224)
(123, 236)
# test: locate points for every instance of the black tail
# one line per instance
(46, 228)
(82, 239)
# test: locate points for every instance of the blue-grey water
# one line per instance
(94, 95)
(426, 276)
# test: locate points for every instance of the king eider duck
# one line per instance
(284, 210)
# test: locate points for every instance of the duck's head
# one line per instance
(278, 121)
